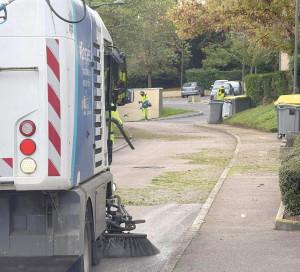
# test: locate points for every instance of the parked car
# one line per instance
(237, 86)
(219, 81)
(228, 89)
(191, 88)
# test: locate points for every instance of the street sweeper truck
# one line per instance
(60, 78)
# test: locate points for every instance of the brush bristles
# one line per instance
(127, 245)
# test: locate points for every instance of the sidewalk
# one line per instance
(238, 232)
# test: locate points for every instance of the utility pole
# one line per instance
(181, 74)
(279, 60)
(243, 69)
(296, 47)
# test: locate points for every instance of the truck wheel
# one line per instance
(83, 264)
(97, 251)
(87, 254)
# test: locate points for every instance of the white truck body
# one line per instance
(52, 73)
(47, 77)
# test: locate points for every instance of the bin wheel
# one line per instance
(279, 136)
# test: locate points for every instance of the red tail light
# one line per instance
(28, 147)
(27, 128)
(196, 88)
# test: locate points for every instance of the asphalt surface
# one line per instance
(234, 230)
(200, 113)
(238, 233)
(167, 224)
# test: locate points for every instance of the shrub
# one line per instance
(254, 89)
(265, 88)
(289, 180)
(164, 80)
(205, 77)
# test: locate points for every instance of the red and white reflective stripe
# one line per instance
(6, 167)
(54, 118)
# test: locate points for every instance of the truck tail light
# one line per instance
(28, 147)
(27, 128)
(196, 88)
(28, 165)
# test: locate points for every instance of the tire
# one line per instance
(83, 264)
(87, 254)
(97, 251)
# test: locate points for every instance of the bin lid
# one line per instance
(292, 99)
(216, 101)
(236, 97)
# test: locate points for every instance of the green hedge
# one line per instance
(289, 180)
(165, 80)
(207, 77)
(265, 88)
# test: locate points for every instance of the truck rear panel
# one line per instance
(51, 74)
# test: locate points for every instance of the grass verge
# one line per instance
(263, 117)
(189, 186)
(143, 134)
(170, 111)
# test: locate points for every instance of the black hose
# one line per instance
(116, 122)
(65, 20)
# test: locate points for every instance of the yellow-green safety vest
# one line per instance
(220, 95)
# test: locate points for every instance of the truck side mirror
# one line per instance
(122, 96)
(129, 96)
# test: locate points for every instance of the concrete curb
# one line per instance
(284, 224)
(200, 219)
(179, 116)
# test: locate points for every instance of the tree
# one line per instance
(251, 54)
(145, 34)
(217, 55)
(270, 22)
(233, 51)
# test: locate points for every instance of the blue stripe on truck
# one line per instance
(76, 99)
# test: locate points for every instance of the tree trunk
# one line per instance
(149, 80)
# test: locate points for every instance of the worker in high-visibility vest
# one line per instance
(145, 105)
(115, 115)
(220, 95)
(122, 76)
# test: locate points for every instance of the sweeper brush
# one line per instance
(118, 242)
(126, 245)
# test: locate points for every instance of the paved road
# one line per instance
(238, 233)
(166, 224)
(183, 103)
